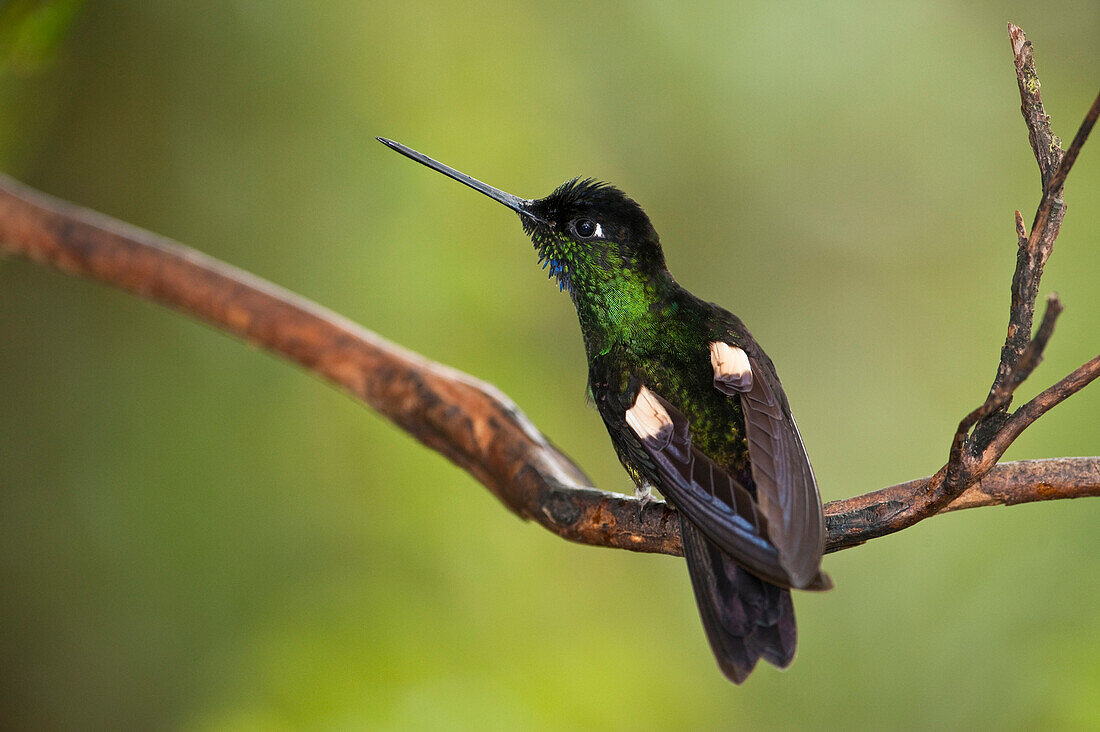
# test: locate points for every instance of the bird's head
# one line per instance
(587, 233)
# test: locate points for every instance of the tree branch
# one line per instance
(485, 433)
(855, 520)
(986, 432)
(1054, 166)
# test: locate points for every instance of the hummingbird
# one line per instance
(694, 409)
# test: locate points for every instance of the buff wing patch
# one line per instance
(732, 372)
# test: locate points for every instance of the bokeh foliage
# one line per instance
(195, 535)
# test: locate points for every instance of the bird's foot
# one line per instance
(644, 494)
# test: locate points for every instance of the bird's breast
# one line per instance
(685, 377)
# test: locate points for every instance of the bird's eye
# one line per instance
(585, 227)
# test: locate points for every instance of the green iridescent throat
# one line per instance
(615, 301)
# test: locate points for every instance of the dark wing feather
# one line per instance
(707, 495)
(786, 491)
(736, 573)
(744, 617)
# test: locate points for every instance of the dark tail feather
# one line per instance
(745, 618)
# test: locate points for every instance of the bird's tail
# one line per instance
(744, 617)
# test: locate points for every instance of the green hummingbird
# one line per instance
(694, 409)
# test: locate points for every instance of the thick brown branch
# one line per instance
(855, 520)
(470, 422)
(590, 516)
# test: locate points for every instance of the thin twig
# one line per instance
(1021, 232)
(1026, 415)
(957, 472)
(1044, 144)
(1032, 257)
(1070, 157)
(1001, 394)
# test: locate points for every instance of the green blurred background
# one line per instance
(195, 535)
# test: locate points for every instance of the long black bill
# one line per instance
(521, 206)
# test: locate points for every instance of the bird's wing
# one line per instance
(653, 437)
(786, 491)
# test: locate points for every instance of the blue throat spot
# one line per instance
(558, 270)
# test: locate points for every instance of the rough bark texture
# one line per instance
(483, 431)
